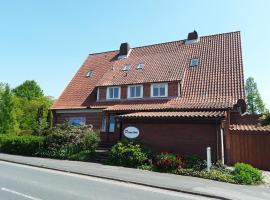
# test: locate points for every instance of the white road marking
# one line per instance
(114, 182)
(19, 194)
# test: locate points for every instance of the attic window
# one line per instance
(140, 66)
(194, 62)
(89, 74)
(126, 67)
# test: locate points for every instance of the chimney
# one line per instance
(192, 38)
(124, 50)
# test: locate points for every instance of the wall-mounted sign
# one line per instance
(131, 132)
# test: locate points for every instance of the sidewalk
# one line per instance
(153, 179)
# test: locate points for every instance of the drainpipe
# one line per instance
(222, 145)
(222, 141)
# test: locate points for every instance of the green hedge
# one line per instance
(22, 145)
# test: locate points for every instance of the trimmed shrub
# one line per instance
(129, 154)
(22, 145)
(246, 174)
(65, 140)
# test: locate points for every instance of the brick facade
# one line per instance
(93, 118)
(172, 91)
(186, 138)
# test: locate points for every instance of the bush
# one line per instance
(195, 162)
(246, 174)
(22, 145)
(168, 162)
(65, 140)
(129, 154)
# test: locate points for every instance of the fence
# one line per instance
(249, 146)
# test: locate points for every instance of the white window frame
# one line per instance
(159, 84)
(128, 93)
(108, 93)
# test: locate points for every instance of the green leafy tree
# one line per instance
(28, 90)
(254, 100)
(32, 114)
(7, 118)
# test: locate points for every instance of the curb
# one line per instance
(118, 179)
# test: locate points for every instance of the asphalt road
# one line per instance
(20, 182)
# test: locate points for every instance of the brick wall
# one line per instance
(182, 137)
(173, 89)
(102, 93)
(94, 118)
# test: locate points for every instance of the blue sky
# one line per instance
(47, 41)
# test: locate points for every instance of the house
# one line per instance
(180, 96)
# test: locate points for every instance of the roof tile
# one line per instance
(210, 114)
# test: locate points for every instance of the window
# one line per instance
(113, 92)
(103, 123)
(140, 66)
(159, 90)
(77, 121)
(135, 91)
(89, 73)
(112, 124)
(194, 62)
(126, 67)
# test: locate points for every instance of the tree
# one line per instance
(32, 114)
(28, 90)
(2, 88)
(7, 118)
(254, 100)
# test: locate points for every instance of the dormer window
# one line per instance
(135, 91)
(113, 92)
(89, 74)
(194, 62)
(126, 67)
(140, 66)
(159, 90)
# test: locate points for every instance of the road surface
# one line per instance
(20, 182)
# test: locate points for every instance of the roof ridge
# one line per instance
(163, 43)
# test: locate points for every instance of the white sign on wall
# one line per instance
(131, 132)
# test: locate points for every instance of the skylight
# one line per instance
(140, 66)
(89, 73)
(126, 67)
(194, 62)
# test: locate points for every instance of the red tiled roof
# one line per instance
(172, 104)
(248, 127)
(210, 114)
(217, 81)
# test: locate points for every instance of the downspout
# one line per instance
(222, 143)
